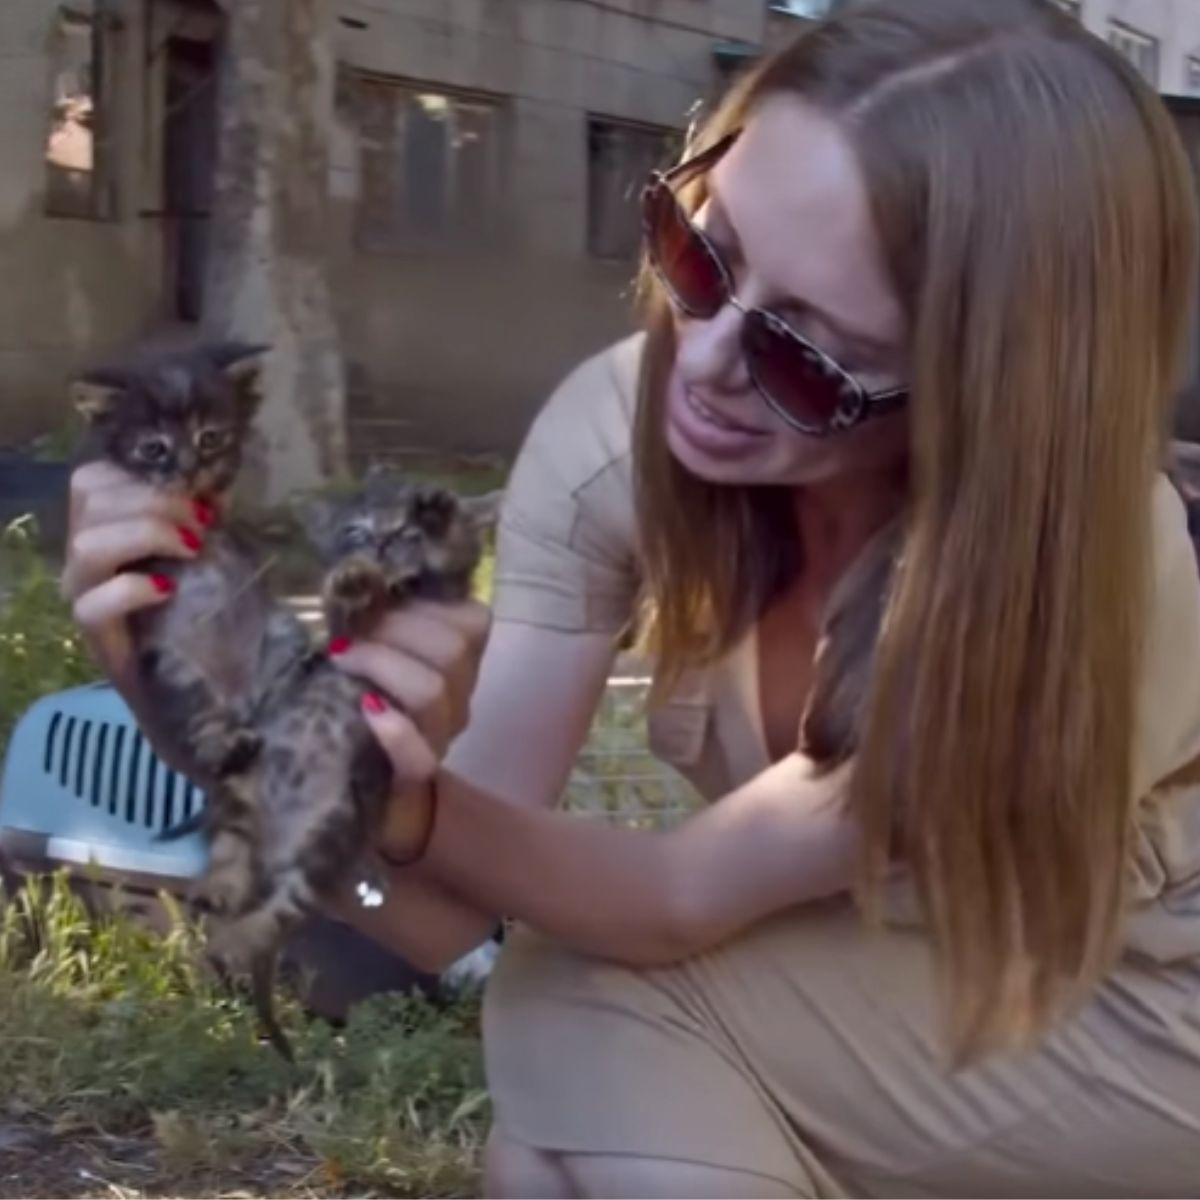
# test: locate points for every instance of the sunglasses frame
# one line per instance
(855, 403)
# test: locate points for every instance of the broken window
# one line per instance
(78, 147)
(429, 164)
(621, 157)
(1140, 48)
(1192, 75)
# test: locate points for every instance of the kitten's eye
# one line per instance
(210, 441)
(153, 449)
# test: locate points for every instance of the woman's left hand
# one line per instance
(422, 663)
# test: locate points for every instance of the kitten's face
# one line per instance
(179, 422)
(422, 538)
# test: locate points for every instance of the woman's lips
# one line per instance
(706, 428)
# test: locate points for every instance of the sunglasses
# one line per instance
(798, 380)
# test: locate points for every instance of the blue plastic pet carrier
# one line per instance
(82, 785)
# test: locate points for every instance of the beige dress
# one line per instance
(806, 1049)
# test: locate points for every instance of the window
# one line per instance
(620, 159)
(1140, 48)
(78, 154)
(1191, 75)
(429, 163)
(813, 9)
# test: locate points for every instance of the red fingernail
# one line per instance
(206, 514)
(338, 645)
(190, 539)
(162, 585)
(373, 704)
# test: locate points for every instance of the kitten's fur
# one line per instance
(273, 730)
(321, 783)
(179, 421)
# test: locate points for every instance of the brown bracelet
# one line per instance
(426, 835)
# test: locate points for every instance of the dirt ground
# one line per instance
(36, 1161)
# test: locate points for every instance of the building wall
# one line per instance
(462, 348)
(67, 285)
(449, 345)
(1175, 24)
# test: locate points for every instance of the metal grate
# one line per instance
(113, 768)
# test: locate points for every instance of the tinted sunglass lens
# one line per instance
(680, 257)
(801, 384)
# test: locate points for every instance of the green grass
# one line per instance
(110, 1031)
(40, 649)
(111, 1034)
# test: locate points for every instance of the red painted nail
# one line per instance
(338, 645)
(206, 514)
(190, 539)
(374, 704)
(162, 585)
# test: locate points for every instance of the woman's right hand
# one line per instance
(116, 520)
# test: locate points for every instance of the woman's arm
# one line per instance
(530, 711)
(650, 897)
(535, 686)
(639, 897)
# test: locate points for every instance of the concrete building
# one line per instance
(1162, 37)
(486, 161)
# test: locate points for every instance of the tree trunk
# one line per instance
(269, 266)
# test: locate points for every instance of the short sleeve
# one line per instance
(565, 556)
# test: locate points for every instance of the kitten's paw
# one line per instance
(356, 597)
(227, 886)
(434, 510)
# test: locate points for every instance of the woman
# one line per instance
(928, 271)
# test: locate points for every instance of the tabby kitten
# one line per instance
(179, 420)
(308, 804)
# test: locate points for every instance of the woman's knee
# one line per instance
(513, 1170)
(614, 1176)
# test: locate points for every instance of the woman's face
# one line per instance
(788, 211)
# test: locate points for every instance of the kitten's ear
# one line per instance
(97, 396)
(241, 363)
(483, 511)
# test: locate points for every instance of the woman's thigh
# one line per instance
(513, 1171)
(809, 1051)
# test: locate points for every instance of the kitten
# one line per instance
(320, 785)
(294, 779)
(179, 420)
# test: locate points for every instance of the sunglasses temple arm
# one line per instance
(687, 170)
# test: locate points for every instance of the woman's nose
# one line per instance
(710, 352)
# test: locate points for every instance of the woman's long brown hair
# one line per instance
(1038, 221)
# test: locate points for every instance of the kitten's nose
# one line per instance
(187, 463)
